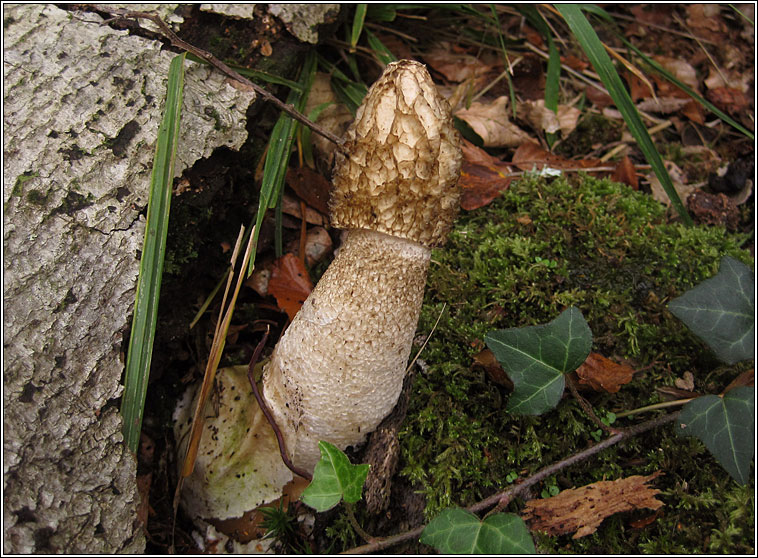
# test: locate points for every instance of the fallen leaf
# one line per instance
(713, 209)
(568, 117)
(480, 185)
(529, 77)
(291, 206)
(529, 156)
(492, 124)
(289, 283)
(694, 111)
(539, 116)
(645, 521)
(599, 98)
(456, 67)
(575, 63)
(678, 179)
(681, 69)
(729, 100)
(625, 173)
(638, 89)
(602, 374)
(582, 510)
(311, 187)
(746, 379)
(686, 382)
(486, 360)
(706, 22)
(318, 244)
(663, 105)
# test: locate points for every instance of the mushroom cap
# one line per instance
(400, 177)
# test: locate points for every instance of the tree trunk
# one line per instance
(82, 107)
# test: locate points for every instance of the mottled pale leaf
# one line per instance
(726, 426)
(537, 357)
(721, 311)
(457, 531)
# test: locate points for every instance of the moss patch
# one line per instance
(541, 247)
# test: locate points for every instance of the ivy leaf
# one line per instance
(721, 311)
(537, 357)
(726, 426)
(334, 478)
(457, 531)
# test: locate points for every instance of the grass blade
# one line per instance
(358, 20)
(278, 154)
(600, 60)
(140, 350)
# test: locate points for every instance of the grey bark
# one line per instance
(82, 106)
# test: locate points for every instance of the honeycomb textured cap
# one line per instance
(403, 160)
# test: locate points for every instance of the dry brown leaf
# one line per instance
(681, 69)
(663, 105)
(491, 123)
(318, 244)
(311, 187)
(694, 111)
(529, 156)
(289, 283)
(705, 21)
(582, 510)
(335, 118)
(291, 206)
(575, 63)
(568, 117)
(625, 173)
(746, 379)
(456, 67)
(480, 185)
(686, 382)
(678, 178)
(602, 374)
(539, 116)
(729, 100)
(486, 360)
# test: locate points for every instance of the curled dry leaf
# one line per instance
(291, 206)
(686, 382)
(663, 105)
(582, 510)
(486, 360)
(729, 100)
(602, 374)
(492, 124)
(568, 117)
(290, 283)
(681, 69)
(335, 118)
(746, 379)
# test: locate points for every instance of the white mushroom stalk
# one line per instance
(338, 369)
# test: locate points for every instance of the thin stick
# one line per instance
(512, 492)
(587, 407)
(267, 411)
(119, 13)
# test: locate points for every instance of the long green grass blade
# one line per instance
(145, 317)
(279, 149)
(381, 52)
(254, 74)
(358, 20)
(600, 60)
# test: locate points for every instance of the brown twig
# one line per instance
(587, 407)
(267, 411)
(119, 13)
(502, 499)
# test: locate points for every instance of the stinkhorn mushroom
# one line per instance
(338, 369)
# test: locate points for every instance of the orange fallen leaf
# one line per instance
(602, 374)
(492, 123)
(746, 379)
(625, 173)
(729, 100)
(456, 67)
(483, 177)
(289, 283)
(582, 510)
(486, 360)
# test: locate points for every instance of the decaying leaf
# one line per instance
(678, 178)
(663, 105)
(686, 382)
(492, 124)
(529, 156)
(486, 360)
(480, 185)
(291, 206)
(539, 116)
(582, 510)
(311, 187)
(290, 283)
(729, 100)
(625, 173)
(746, 379)
(456, 67)
(602, 374)
(568, 117)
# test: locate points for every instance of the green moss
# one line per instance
(18, 186)
(539, 248)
